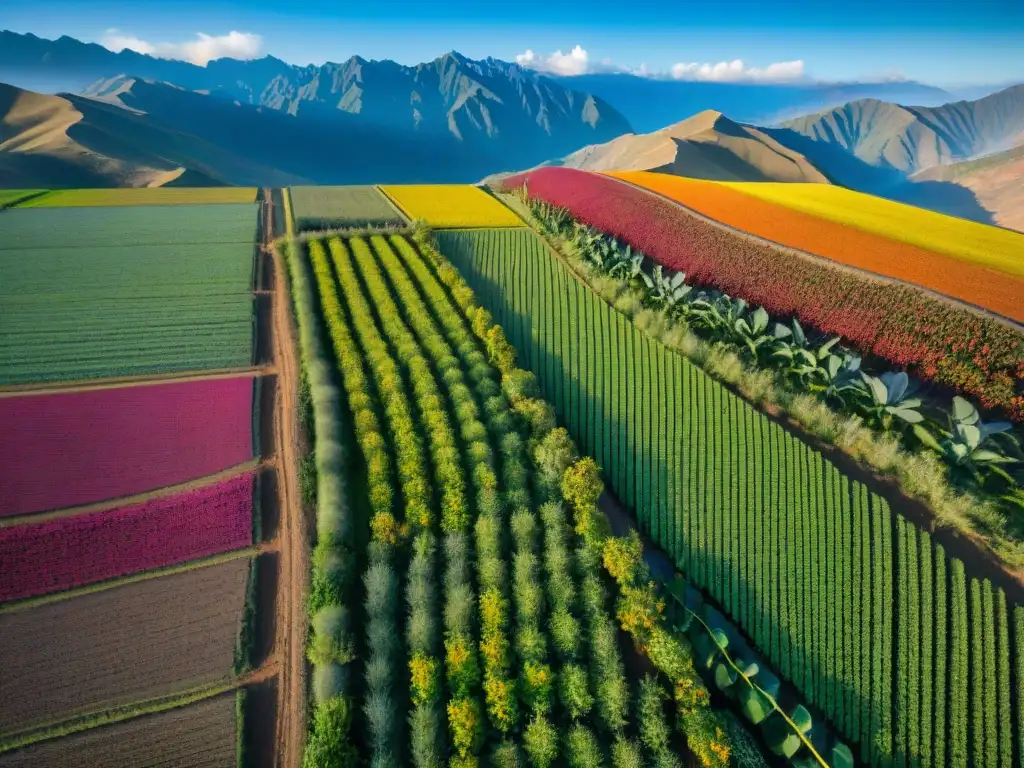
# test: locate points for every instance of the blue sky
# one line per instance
(935, 41)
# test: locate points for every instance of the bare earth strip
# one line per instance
(291, 619)
(84, 385)
(201, 735)
(109, 648)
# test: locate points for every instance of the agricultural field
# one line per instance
(467, 523)
(120, 646)
(67, 552)
(991, 247)
(869, 618)
(10, 197)
(113, 442)
(137, 291)
(98, 198)
(451, 206)
(898, 323)
(319, 208)
(865, 232)
(114, 227)
(200, 735)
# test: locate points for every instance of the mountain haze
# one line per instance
(473, 115)
(910, 139)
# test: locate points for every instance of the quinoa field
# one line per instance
(954, 269)
(968, 241)
(200, 735)
(120, 645)
(318, 208)
(74, 198)
(68, 552)
(446, 206)
(114, 442)
(975, 355)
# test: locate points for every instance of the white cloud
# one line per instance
(578, 62)
(205, 48)
(736, 71)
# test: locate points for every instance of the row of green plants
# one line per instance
(333, 565)
(554, 456)
(801, 557)
(815, 374)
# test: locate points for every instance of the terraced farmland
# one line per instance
(113, 442)
(120, 646)
(96, 198)
(318, 208)
(936, 340)
(445, 206)
(955, 257)
(67, 552)
(990, 247)
(134, 291)
(201, 735)
(858, 608)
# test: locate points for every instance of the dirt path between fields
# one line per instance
(145, 380)
(290, 618)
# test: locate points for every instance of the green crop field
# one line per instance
(22, 228)
(872, 621)
(319, 208)
(88, 302)
(488, 627)
(10, 197)
(74, 198)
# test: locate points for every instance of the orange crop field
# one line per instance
(845, 244)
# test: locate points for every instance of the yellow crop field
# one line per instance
(82, 198)
(451, 206)
(991, 247)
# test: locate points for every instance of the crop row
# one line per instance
(488, 676)
(69, 552)
(801, 557)
(942, 342)
(109, 443)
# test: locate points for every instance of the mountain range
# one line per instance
(132, 119)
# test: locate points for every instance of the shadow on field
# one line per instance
(260, 724)
(267, 571)
(270, 513)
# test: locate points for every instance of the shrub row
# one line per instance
(328, 744)
(410, 464)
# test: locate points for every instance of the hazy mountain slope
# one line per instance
(650, 104)
(707, 146)
(997, 182)
(498, 111)
(909, 139)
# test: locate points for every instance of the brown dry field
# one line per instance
(110, 648)
(201, 735)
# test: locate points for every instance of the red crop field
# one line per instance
(942, 342)
(66, 449)
(68, 552)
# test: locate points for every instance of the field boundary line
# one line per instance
(253, 465)
(142, 708)
(401, 211)
(1009, 322)
(102, 586)
(142, 380)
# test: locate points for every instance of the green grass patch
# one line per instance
(91, 198)
(319, 208)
